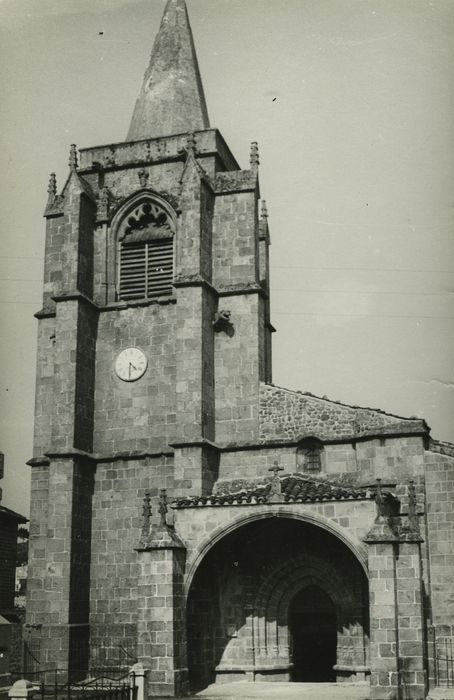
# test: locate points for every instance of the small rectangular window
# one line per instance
(312, 461)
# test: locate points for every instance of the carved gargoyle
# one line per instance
(223, 323)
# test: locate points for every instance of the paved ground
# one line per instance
(286, 691)
(441, 694)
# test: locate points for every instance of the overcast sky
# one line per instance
(352, 104)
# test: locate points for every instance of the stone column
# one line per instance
(384, 679)
(397, 649)
(161, 624)
(138, 676)
(410, 619)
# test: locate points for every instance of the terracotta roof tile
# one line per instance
(295, 489)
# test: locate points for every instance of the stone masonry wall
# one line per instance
(85, 251)
(439, 473)
(84, 393)
(56, 232)
(236, 371)
(62, 410)
(136, 415)
(37, 543)
(235, 240)
(292, 415)
(392, 459)
(44, 396)
(59, 541)
(71, 412)
(117, 500)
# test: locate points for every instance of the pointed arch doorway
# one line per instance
(313, 636)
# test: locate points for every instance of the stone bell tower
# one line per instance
(154, 336)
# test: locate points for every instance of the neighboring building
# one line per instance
(266, 547)
(10, 623)
(21, 569)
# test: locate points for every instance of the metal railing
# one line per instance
(30, 657)
(101, 659)
(55, 685)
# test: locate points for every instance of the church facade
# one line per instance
(186, 510)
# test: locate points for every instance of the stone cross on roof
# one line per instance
(275, 468)
(275, 494)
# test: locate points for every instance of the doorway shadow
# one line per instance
(313, 636)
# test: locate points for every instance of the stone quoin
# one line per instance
(185, 510)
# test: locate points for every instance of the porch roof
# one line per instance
(295, 488)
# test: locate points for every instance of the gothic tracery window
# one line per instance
(145, 255)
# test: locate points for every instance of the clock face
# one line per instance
(130, 364)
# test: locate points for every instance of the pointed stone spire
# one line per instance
(171, 100)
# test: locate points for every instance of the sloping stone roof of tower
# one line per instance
(171, 100)
(293, 415)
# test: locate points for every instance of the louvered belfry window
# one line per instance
(146, 253)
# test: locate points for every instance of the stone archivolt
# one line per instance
(271, 611)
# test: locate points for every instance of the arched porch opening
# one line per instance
(251, 612)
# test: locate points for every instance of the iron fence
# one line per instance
(30, 657)
(102, 659)
(55, 685)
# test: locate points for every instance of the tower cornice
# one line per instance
(114, 156)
